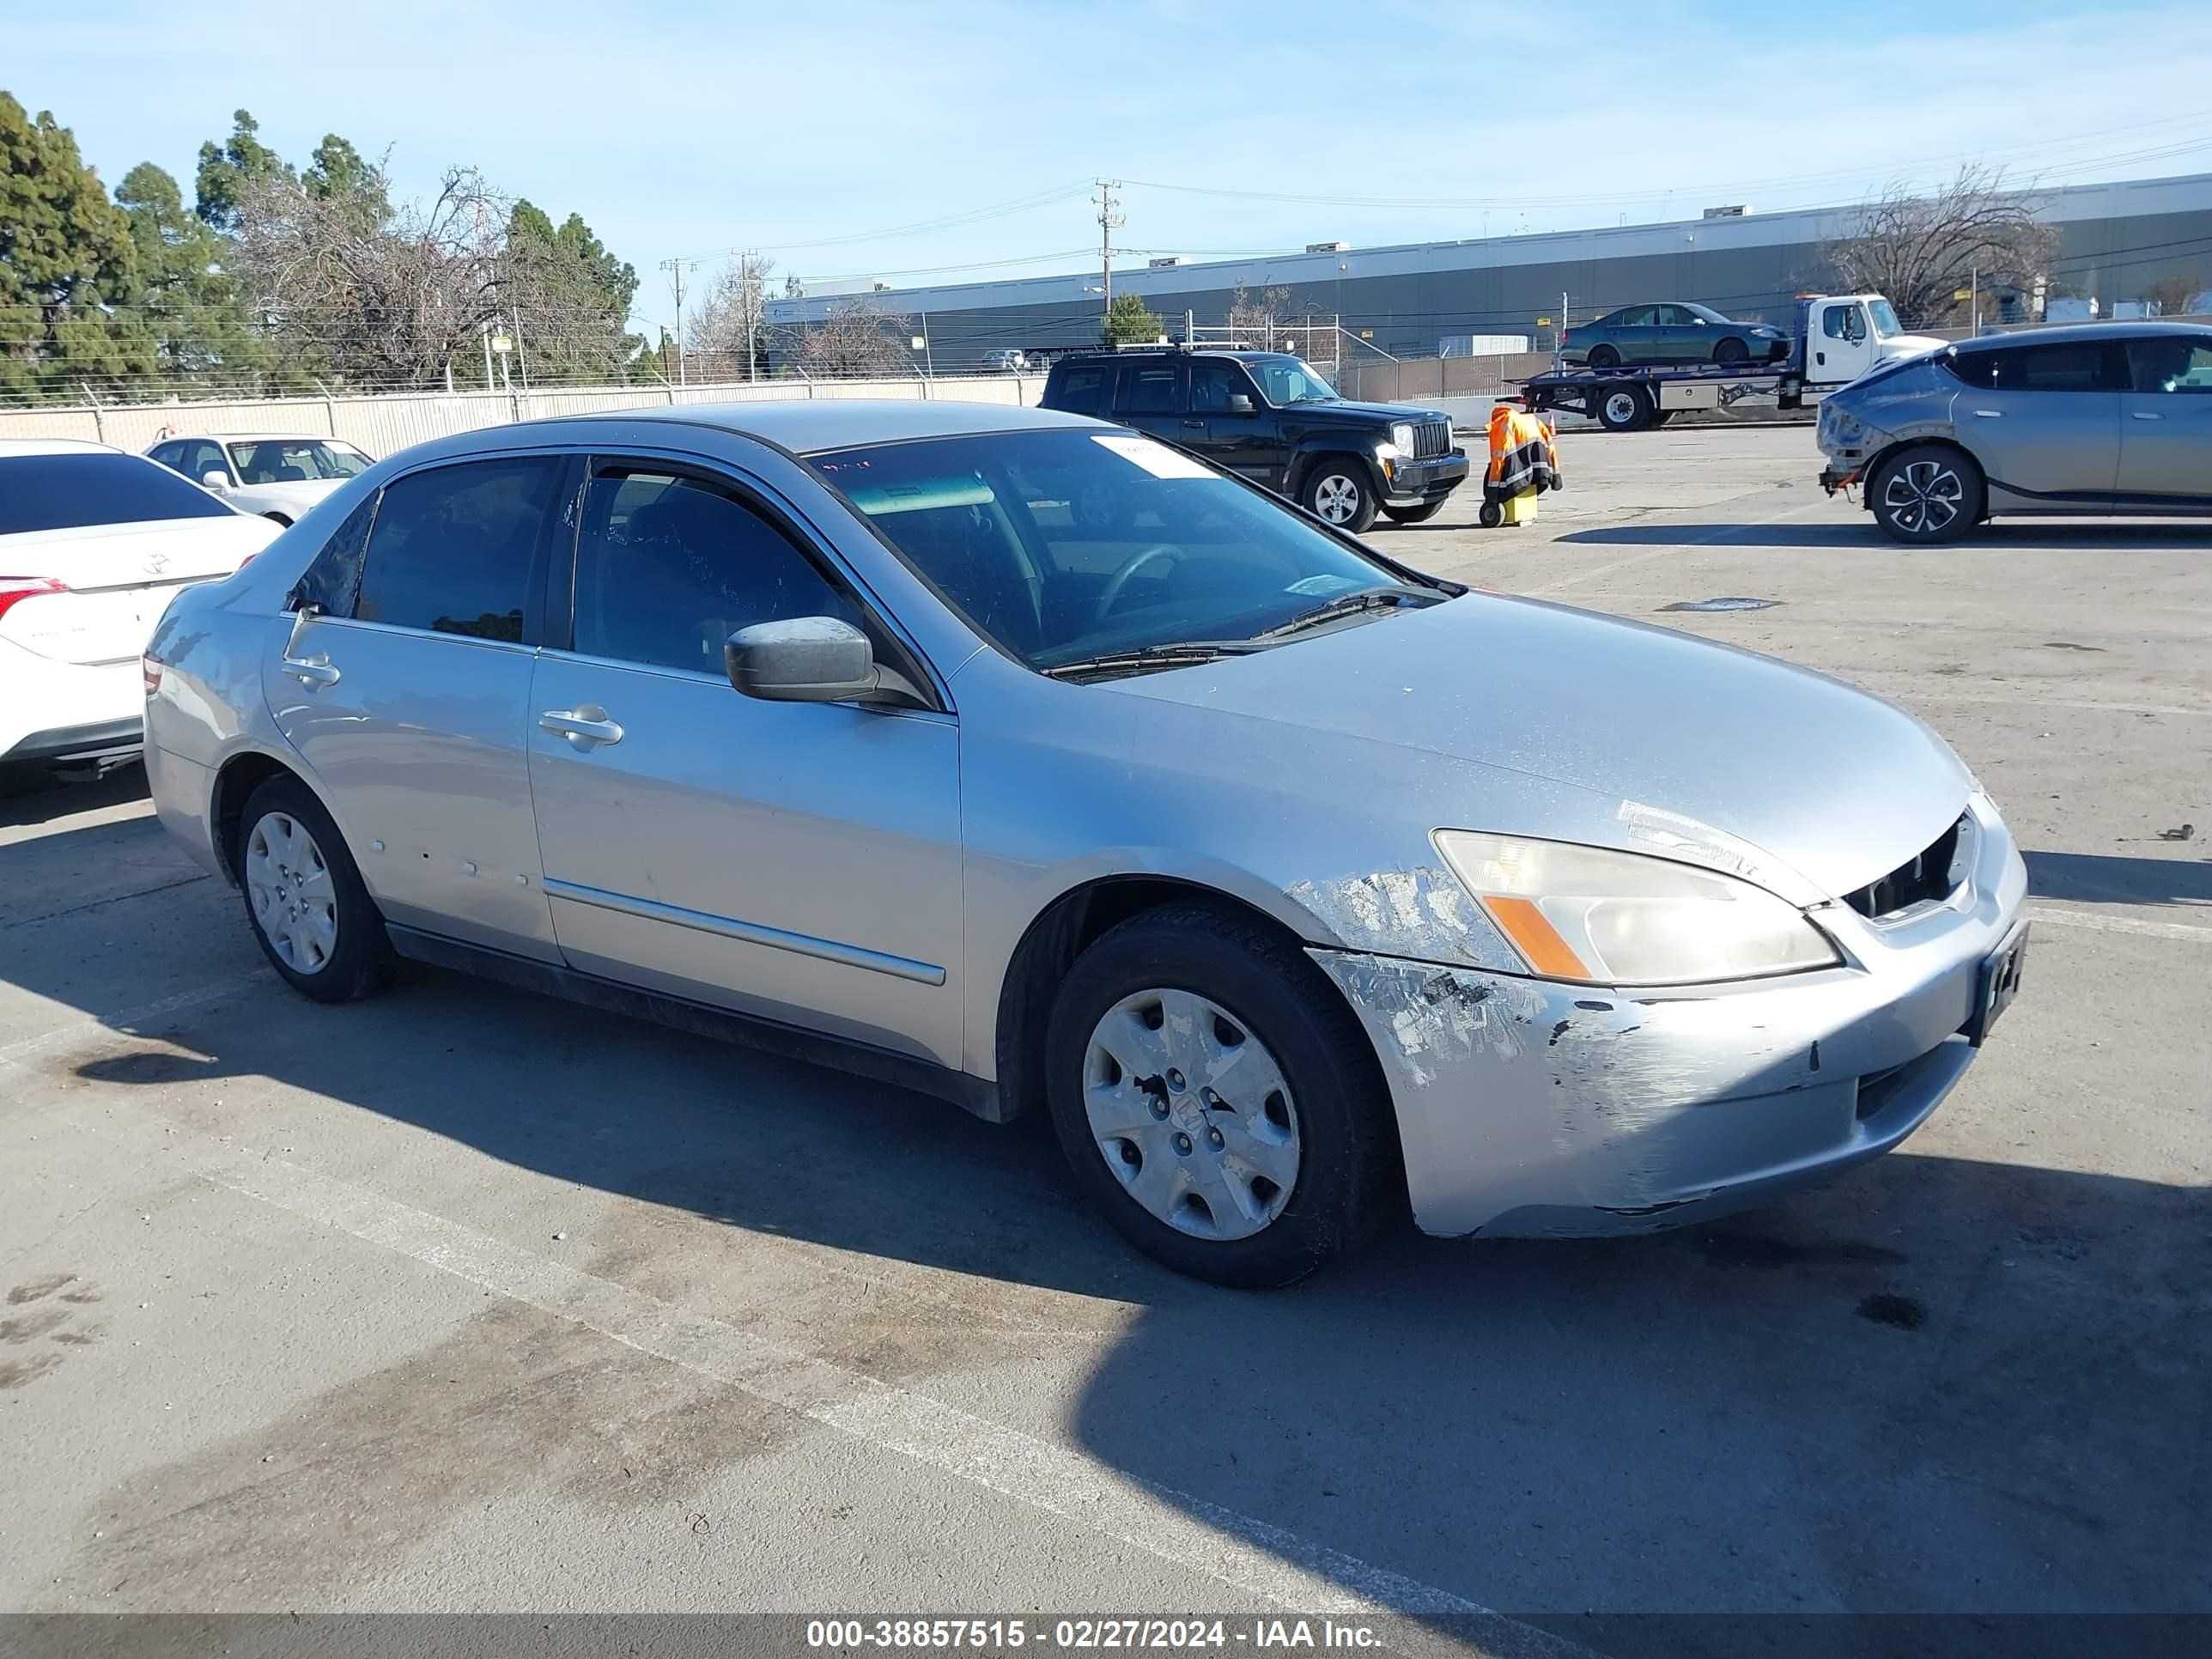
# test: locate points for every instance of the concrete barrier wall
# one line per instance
(386, 424)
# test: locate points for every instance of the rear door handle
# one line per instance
(311, 671)
(1196, 426)
(1990, 414)
(584, 728)
(2146, 414)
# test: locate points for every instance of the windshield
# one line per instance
(294, 460)
(1886, 324)
(71, 491)
(1064, 546)
(1288, 380)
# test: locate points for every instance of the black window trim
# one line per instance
(755, 494)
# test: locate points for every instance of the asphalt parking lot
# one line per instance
(462, 1300)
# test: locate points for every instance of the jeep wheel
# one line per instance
(1337, 492)
(1421, 514)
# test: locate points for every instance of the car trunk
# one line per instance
(94, 594)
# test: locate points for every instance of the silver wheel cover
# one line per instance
(289, 887)
(1191, 1114)
(1336, 498)
(1924, 498)
(1621, 407)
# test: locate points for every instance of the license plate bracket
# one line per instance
(1996, 984)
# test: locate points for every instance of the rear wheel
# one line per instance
(1336, 491)
(1731, 352)
(1604, 356)
(1625, 408)
(305, 900)
(1216, 1098)
(1420, 514)
(1660, 416)
(1926, 495)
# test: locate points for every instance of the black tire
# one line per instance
(1623, 406)
(1347, 1162)
(1660, 416)
(359, 962)
(1731, 353)
(278, 518)
(1603, 356)
(1491, 516)
(1910, 492)
(1322, 493)
(1421, 514)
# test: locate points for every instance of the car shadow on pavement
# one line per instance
(2108, 878)
(28, 796)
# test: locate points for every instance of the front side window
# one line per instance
(1288, 380)
(1064, 546)
(1213, 384)
(453, 547)
(1842, 323)
(294, 460)
(669, 567)
(200, 457)
(2177, 363)
(72, 491)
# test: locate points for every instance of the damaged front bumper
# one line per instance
(1534, 1108)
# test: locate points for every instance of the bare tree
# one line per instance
(858, 337)
(1922, 249)
(2170, 296)
(727, 339)
(1255, 319)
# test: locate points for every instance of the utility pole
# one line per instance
(1110, 219)
(753, 290)
(675, 269)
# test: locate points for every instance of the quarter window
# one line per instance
(668, 567)
(453, 546)
(335, 576)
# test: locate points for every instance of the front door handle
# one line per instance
(311, 671)
(1989, 414)
(2146, 414)
(1196, 426)
(584, 728)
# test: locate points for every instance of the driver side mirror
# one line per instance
(813, 659)
(215, 480)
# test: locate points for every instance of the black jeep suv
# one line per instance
(1267, 416)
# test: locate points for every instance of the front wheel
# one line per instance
(1731, 353)
(1336, 491)
(1216, 1098)
(1926, 495)
(1421, 514)
(305, 900)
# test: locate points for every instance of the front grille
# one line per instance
(1931, 874)
(1431, 439)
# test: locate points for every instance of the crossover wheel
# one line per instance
(1216, 1098)
(305, 900)
(1337, 492)
(1420, 514)
(1624, 409)
(1927, 494)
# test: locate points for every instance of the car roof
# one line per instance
(253, 438)
(810, 426)
(55, 447)
(2067, 333)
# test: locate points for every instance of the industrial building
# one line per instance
(2116, 242)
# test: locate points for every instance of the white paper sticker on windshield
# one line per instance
(1156, 459)
(1315, 587)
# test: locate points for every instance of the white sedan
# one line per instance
(280, 475)
(94, 544)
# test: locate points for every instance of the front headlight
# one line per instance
(1605, 918)
(1402, 435)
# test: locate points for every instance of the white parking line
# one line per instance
(1235, 1549)
(2098, 921)
(75, 1030)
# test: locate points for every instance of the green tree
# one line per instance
(1127, 322)
(67, 267)
(227, 168)
(567, 296)
(339, 174)
(203, 330)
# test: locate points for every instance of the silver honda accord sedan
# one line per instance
(1024, 760)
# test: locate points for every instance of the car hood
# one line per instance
(1669, 744)
(1366, 414)
(1909, 345)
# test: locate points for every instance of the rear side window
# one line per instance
(668, 567)
(452, 548)
(75, 492)
(2063, 366)
(1082, 390)
(1149, 389)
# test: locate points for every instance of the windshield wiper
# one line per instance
(1178, 654)
(1346, 605)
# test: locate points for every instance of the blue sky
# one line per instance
(688, 128)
